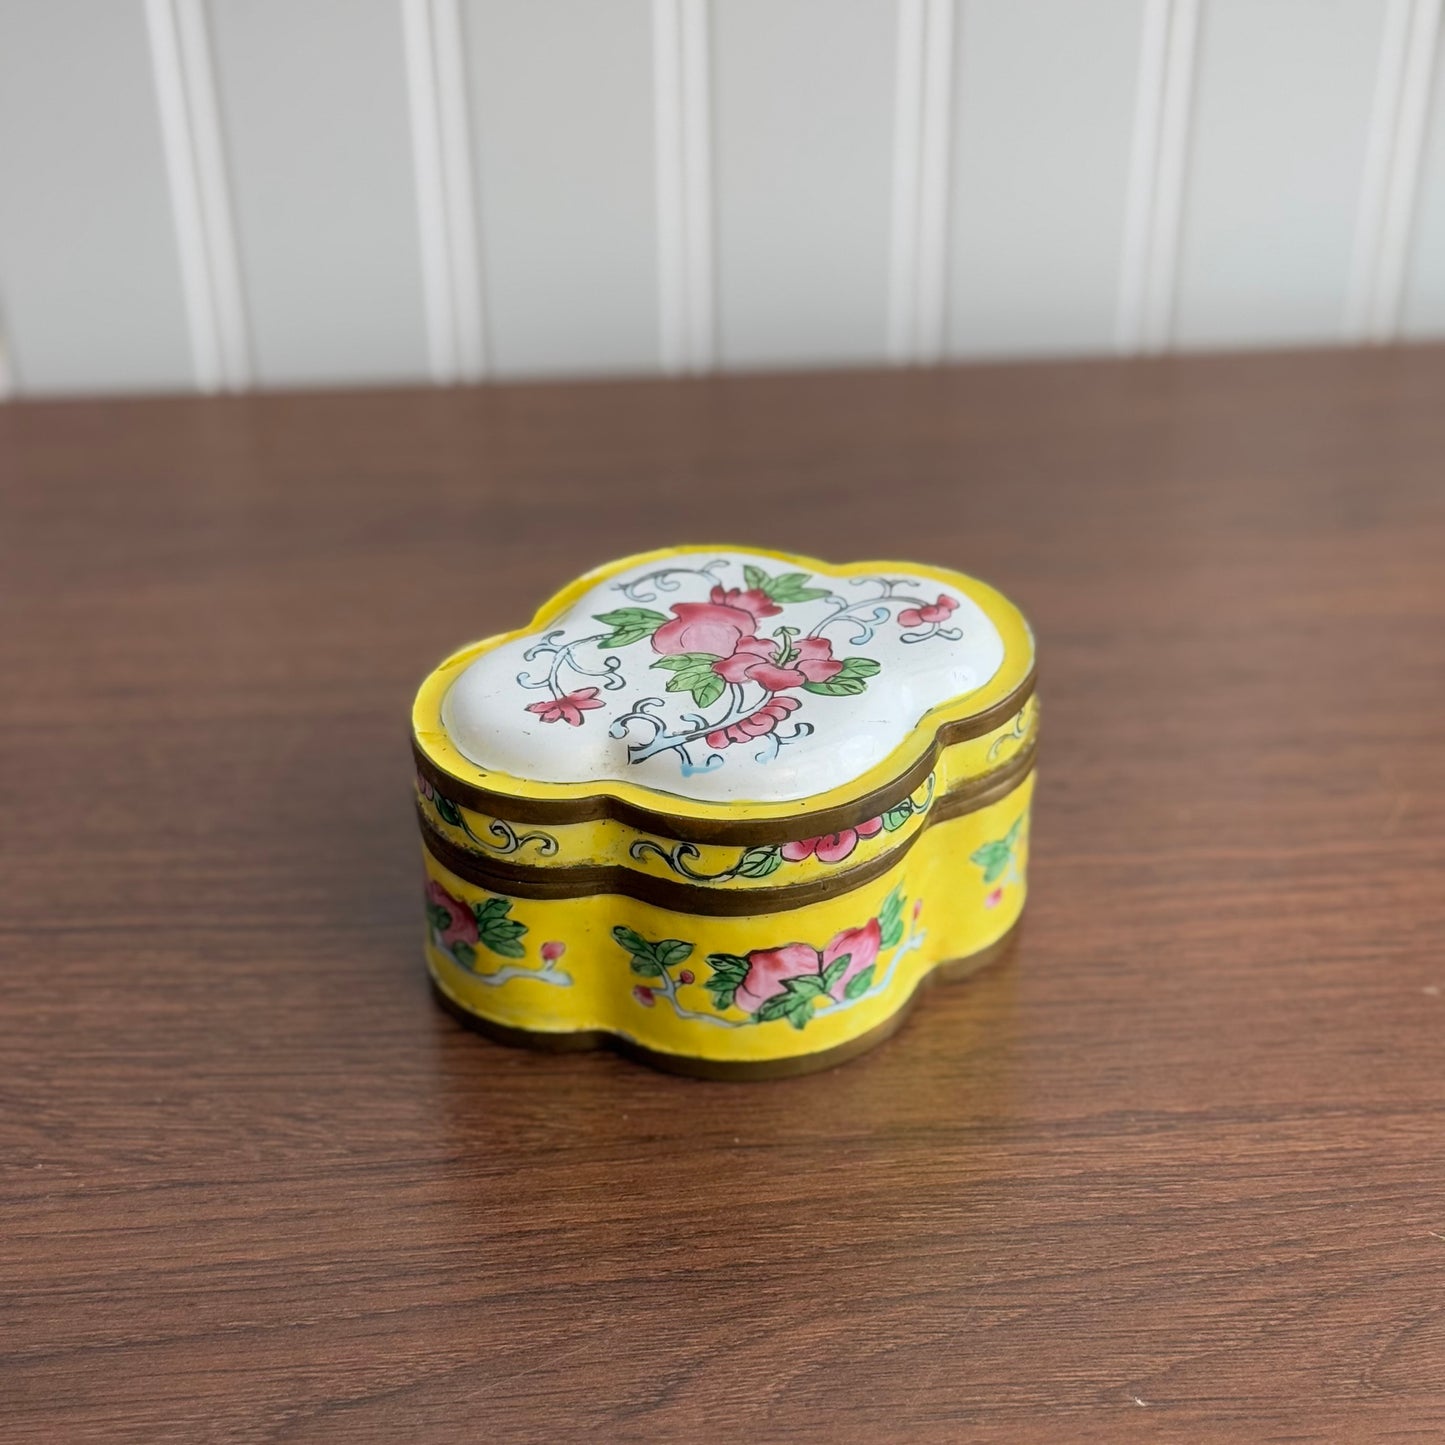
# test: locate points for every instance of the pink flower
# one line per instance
(934, 612)
(994, 898)
(755, 659)
(551, 952)
(424, 787)
(686, 976)
(917, 909)
(460, 926)
(568, 708)
(831, 847)
(770, 969)
(754, 600)
(644, 995)
(710, 627)
(755, 725)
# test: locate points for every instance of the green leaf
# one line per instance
(490, 908)
(895, 818)
(834, 971)
(860, 667)
(651, 960)
(693, 672)
(671, 952)
(438, 917)
(788, 588)
(775, 1008)
(759, 862)
(732, 964)
(793, 587)
(800, 1013)
(728, 972)
(890, 919)
(631, 940)
(837, 686)
(464, 954)
(448, 811)
(993, 858)
(502, 935)
(707, 689)
(859, 984)
(629, 625)
(808, 986)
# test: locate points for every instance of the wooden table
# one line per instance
(1175, 1172)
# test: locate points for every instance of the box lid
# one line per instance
(707, 689)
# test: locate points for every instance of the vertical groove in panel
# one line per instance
(438, 293)
(213, 192)
(682, 88)
(177, 135)
(1158, 164)
(459, 198)
(1384, 129)
(907, 147)
(933, 180)
(1134, 268)
(918, 240)
(1390, 194)
(446, 203)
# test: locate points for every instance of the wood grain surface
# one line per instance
(1176, 1171)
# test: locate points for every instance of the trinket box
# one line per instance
(726, 809)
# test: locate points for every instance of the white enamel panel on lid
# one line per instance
(724, 676)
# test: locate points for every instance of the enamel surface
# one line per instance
(723, 677)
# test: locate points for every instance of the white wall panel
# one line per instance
(1425, 284)
(314, 107)
(803, 116)
(1044, 102)
(561, 95)
(1283, 100)
(90, 282)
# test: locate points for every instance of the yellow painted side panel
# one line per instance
(770, 987)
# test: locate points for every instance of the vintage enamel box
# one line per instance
(726, 809)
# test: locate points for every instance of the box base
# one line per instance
(723, 1069)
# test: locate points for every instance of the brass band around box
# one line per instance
(726, 809)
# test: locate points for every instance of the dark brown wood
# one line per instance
(1174, 1171)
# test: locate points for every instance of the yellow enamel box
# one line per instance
(726, 809)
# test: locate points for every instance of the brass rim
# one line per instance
(744, 832)
(522, 880)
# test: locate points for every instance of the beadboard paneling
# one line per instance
(90, 281)
(1283, 101)
(1044, 104)
(803, 110)
(1425, 284)
(313, 100)
(563, 143)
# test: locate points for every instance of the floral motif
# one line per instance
(568, 707)
(504, 838)
(787, 981)
(755, 725)
(772, 971)
(831, 847)
(998, 861)
(765, 858)
(459, 929)
(939, 611)
(740, 670)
